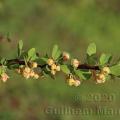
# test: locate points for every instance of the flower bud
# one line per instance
(106, 70)
(75, 63)
(66, 56)
(50, 62)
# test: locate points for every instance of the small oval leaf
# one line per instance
(91, 49)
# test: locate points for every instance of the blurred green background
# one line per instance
(72, 24)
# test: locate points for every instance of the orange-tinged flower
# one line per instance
(4, 77)
(77, 83)
(66, 56)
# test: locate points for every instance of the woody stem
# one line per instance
(81, 66)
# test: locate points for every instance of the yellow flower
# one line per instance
(27, 70)
(50, 62)
(32, 73)
(100, 78)
(26, 75)
(33, 65)
(71, 82)
(100, 81)
(58, 68)
(53, 67)
(106, 70)
(36, 76)
(53, 72)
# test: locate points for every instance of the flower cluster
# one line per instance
(28, 71)
(72, 81)
(101, 77)
(53, 66)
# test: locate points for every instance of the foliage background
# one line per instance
(72, 24)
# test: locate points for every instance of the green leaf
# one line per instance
(20, 44)
(115, 70)
(32, 54)
(92, 60)
(65, 69)
(48, 68)
(84, 75)
(105, 58)
(56, 52)
(2, 69)
(48, 74)
(3, 61)
(20, 47)
(108, 77)
(24, 54)
(91, 49)
(80, 74)
(13, 66)
(42, 61)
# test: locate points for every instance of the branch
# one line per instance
(26, 62)
(81, 66)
